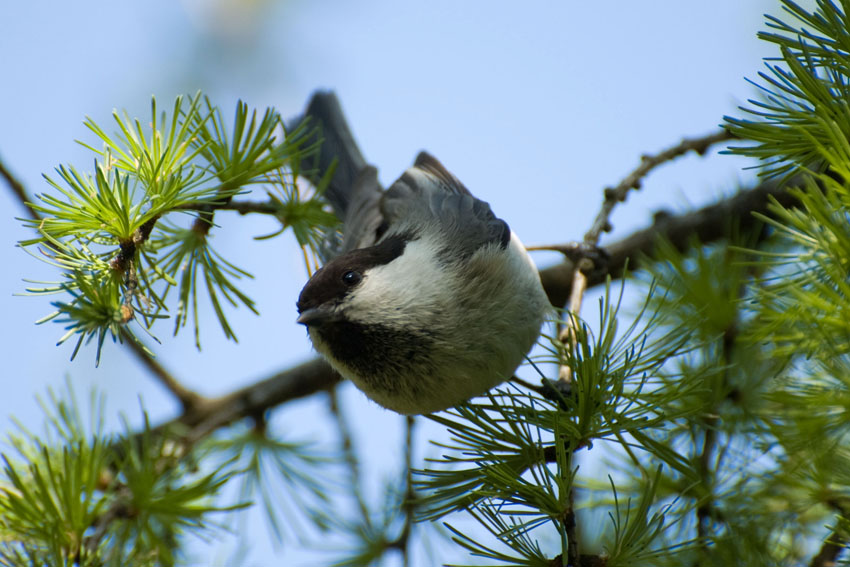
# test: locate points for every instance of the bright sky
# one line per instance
(535, 106)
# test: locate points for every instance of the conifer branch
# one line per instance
(240, 206)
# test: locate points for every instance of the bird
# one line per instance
(431, 299)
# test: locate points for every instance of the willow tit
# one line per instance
(433, 300)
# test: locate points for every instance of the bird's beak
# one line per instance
(316, 316)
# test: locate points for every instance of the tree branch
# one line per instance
(707, 224)
(832, 547)
(648, 162)
(19, 190)
(188, 398)
(837, 540)
(211, 414)
(602, 223)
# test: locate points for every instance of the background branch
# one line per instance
(19, 190)
(188, 398)
(830, 550)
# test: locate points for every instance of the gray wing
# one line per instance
(427, 194)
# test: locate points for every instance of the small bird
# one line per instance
(433, 299)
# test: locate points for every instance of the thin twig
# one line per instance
(602, 223)
(19, 190)
(245, 207)
(836, 541)
(707, 224)
(572, 538)
(402, 543)
(614, 195)
(705, 506)
(567, 334)
(349, 454)
(118, 509)
(241, 207)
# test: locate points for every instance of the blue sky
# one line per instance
(536, 107)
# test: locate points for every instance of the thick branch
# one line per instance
(254, 400)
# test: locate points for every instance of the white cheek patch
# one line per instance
(399, 292)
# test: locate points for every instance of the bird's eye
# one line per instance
(351, 277)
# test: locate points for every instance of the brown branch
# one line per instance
(707, 224)
(831, 549)
(570, 527)
(349, 454)
(255, 399)
(245, 207)
(19, 190)
(408, 506)
(585, 560)
(617, 194)
(838, 539)
(602, 223)
(188, 398)
(241, 207)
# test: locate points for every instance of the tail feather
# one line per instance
(325, 118)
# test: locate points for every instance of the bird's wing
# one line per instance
(427, 194)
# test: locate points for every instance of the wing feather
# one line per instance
(427, 194)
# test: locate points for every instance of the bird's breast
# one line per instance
(378, 355)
